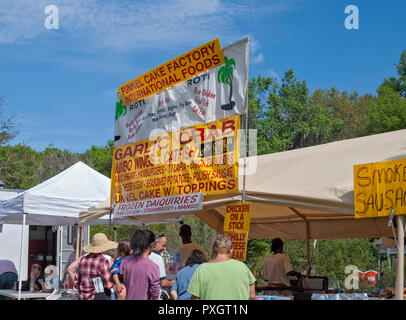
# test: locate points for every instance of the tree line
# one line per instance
(287, 116)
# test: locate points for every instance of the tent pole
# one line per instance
(246, 133)
(59, 241)
(109, 223)
(245, 156)
(308, 246)
(21, 257)
(78, 241)
(400, 263)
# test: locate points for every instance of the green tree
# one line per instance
(18, 164)
(289, 119)
(351, 109)
(53, 161)
(332, 256)
(388, 113)
(8, 125)
(100, 158)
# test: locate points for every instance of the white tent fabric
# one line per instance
(58, 200)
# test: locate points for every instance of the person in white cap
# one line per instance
(93, 275)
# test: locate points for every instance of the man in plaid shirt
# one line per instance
(93, 266)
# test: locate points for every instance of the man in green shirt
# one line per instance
(222, 278)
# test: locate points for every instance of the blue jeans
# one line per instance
(7, 280)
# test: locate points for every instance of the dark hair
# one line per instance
(277, 243)
(150, 236)
(196, 257)
(140, 241)
(124, 248)
(185, 230)
(37, 266)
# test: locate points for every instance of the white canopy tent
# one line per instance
(56, 201)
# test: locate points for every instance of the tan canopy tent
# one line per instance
(305, 193)
(299, 194)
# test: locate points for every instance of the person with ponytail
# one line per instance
(140, 274)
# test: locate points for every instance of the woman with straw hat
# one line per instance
(93, 274)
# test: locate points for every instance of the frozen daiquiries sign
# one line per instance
(181, 137)
(181, 203)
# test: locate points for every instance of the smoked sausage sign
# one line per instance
(379, 187)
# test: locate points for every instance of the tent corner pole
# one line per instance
(399, 290)
(21, 256)
(110, 211)
(78, 242)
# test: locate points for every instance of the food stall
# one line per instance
(302, 194)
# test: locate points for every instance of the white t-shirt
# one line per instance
(186, 249)
(157, 259)
(276, 266)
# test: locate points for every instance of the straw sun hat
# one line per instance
(100, 244)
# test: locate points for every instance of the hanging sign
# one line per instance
(217, 93)
(240, 241)
(237, 217)
(199, 159)
(180, 203)
(379, 187)
(184, 67)
(237, 226)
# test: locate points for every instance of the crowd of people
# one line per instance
(139, 270)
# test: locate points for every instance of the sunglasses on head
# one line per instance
(159, 235)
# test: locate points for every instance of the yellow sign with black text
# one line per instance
(185, 66)
(199, 159)
(237, 218)
(240, 242)
(379, 187)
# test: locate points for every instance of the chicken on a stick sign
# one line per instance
(237, 225)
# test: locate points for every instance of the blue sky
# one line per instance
(61, 84)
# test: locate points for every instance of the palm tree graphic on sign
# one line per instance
(120, 109)
(225, 75)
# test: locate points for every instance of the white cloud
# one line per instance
(259, 58)
(129, 24)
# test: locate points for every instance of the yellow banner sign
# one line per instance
(237, 218)
(185, 66)
(240, 241)
(379, 187)
(198, 159)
